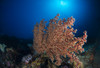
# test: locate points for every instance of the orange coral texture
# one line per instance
(58, 39)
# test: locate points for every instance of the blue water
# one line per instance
(18, 17)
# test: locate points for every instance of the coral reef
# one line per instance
(58, 39)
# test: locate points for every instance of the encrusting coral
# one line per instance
(58, 39)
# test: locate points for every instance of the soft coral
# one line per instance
(58, 39)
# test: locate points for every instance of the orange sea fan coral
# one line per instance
(58, 39)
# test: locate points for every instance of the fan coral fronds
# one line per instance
(58, 39)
